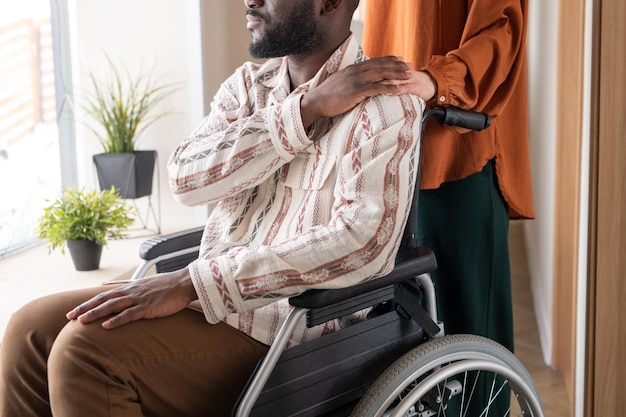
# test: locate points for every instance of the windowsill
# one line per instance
(35, 273)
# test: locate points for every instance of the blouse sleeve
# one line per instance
(481, 72)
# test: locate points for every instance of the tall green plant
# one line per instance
(122, 106)
(84, 215)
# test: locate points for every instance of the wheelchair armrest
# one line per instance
(324, 305)
(169, 252)
(171, 242)
(409, 264)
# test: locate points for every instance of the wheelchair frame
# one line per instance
(415, 375)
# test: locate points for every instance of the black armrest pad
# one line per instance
(409, 264)
(168, 243)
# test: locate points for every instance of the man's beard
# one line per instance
(296, 34)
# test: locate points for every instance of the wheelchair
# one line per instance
(397, 362)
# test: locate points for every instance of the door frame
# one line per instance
(606, 314)
(568, 188)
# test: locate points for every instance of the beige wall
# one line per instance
(225, 42)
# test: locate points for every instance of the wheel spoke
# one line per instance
(463, 393)
(471, 394)
(456, 376)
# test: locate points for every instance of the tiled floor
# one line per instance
(35, 273)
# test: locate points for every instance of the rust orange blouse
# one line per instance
(476, 52)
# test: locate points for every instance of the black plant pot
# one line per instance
(130, 173)
(85, 254)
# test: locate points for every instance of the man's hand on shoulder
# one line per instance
(346, 88)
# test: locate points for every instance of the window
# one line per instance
(30, 165)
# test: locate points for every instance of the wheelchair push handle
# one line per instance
(454, 116)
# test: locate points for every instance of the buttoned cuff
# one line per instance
(285, 126)
(442, 95)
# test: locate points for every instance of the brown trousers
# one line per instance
(174, 366)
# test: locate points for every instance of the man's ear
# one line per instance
(330, 6)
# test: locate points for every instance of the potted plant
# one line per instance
(84, 220)
(122, 107)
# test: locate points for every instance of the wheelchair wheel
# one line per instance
(456, 375)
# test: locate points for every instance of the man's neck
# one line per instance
(302, 71)
(304, 67)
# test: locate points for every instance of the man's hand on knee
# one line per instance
(159, 296)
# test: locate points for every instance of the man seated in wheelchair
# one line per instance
(311, 159)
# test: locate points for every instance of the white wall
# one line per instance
(542, 73)
(163, 33)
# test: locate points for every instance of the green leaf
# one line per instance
(122, 106)
(84, 215)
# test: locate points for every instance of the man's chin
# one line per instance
(260, 51)
(258, 55)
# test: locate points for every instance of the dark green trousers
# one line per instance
(466, 224)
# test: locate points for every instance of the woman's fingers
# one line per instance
(376, 70)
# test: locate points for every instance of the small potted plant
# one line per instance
(122, 108)
(84, 220)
